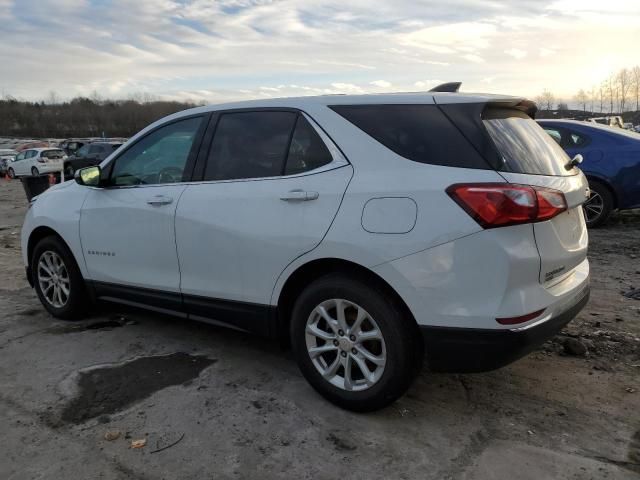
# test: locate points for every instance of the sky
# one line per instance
(214, 51)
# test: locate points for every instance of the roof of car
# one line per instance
(42, 149)
(366, 99)
(592, 126)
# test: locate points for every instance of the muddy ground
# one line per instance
(216, 404)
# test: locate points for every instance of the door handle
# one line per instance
(159, 200)
(299, 196)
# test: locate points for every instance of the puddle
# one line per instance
(109, 389)
(98, 325)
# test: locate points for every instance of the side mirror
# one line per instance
(89, 176)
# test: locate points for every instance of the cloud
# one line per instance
(237, 49)
(516, 53)
(381, 83)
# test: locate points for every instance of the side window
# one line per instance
(307, 150)
(555, 134)
(20, 156)
(95, 149)
(421, 133)
(578, 140)
(31, 154)
(159, 157)
(82, 151)
(250, 145)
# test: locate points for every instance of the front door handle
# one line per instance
(159, 200)
(299, 196)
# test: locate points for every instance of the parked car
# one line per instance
(6, 156)
(36, 161)
(88, 155)
(612, 121)
(71, 145)
(365, 229)
(611, 162)
(30, 145)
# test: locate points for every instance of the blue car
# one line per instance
(611, 163)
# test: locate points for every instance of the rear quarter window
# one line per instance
(52, 154)
(421, 133)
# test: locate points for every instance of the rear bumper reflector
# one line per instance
(520, 319)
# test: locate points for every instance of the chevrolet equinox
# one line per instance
(369, 231)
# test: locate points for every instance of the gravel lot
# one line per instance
(214, 403)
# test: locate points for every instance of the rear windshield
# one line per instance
(52, 154)
(523, 145)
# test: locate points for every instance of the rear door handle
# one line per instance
(299, 196)
(159, 200)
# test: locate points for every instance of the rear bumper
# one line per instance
(463, 350)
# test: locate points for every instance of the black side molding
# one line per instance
(451, 87)
(247, 317)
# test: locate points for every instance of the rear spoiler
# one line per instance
(451, 87)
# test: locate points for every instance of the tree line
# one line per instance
(617, 94)
(82, 116)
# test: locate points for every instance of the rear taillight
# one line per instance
(495, 205)
(41, 160)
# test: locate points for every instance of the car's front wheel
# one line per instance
(11, 173)
(58, 280)
(353, 343)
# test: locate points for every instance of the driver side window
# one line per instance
(159, 157)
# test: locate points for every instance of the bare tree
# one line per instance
(635, 76)
(623, 84)
(601, 95)
(582, 99)
(53, 98)
(546, 100)
(609, 89)
(592, 98)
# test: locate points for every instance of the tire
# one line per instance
(34, 172)
(77, 301)
(599, 206)
(400, 347)
(11, 173)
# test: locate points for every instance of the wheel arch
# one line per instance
(38, 234)
(300, 278)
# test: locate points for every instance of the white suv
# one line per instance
(36, 161)
(367, 230)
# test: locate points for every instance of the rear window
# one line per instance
(421, 133)
(523, 145)
(52, 154)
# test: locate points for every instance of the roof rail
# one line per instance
(451, 87)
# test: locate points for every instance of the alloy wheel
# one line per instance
(593, 207)
(53, 279)
(346, 345)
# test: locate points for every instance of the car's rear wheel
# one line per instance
(11, 173)
(598, 206)
(34, 171)
(58, 280)
(353, 343)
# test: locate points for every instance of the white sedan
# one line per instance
(35, 161)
